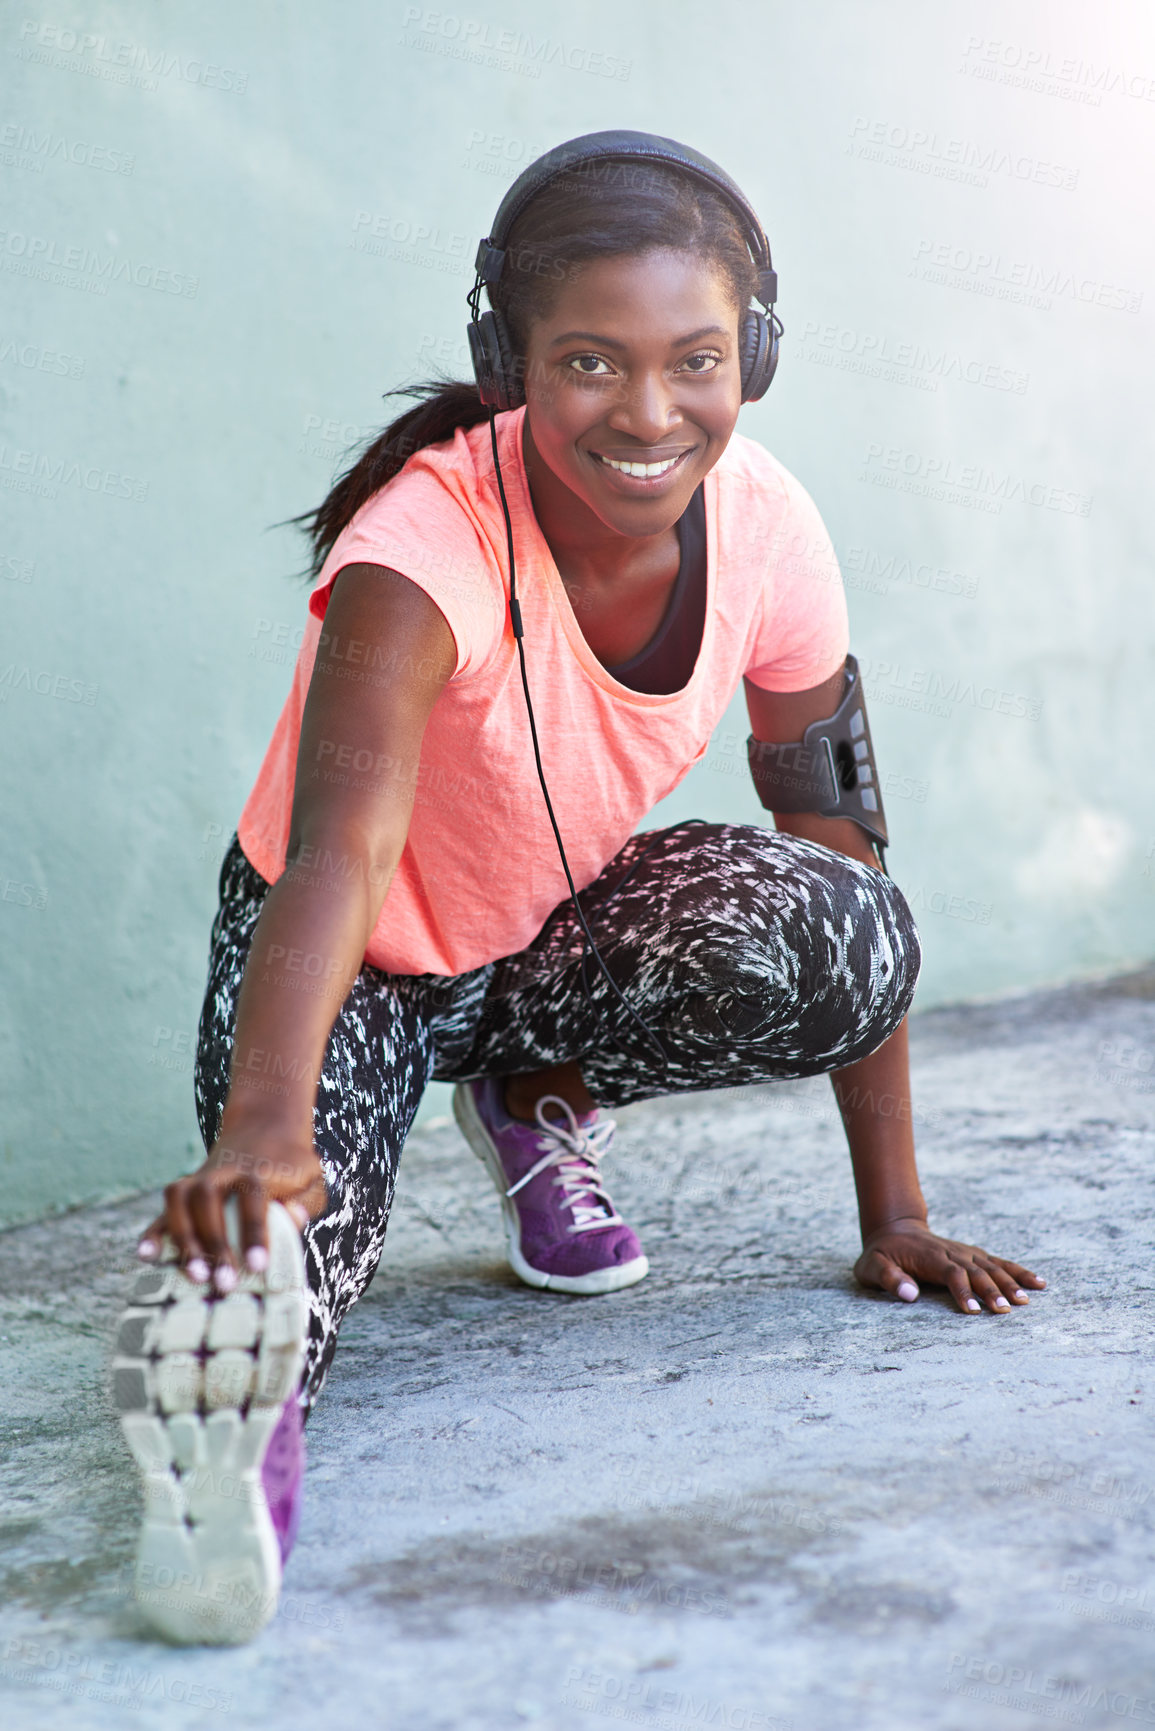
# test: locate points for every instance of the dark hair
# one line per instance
(601, 209)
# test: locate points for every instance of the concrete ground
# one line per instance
(742, 1494)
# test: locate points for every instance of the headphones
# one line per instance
(497, 367)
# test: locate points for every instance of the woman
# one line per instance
(394, 905)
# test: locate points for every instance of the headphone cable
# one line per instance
(515, 620)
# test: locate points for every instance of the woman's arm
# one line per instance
(874, 1094)
(344, 845)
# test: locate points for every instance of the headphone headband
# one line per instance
(497, 368)
(595, 148)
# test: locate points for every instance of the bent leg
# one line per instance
(752, 955)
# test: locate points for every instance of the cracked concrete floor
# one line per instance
(743, 1493)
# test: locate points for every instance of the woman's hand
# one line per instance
(903, 1249)
(255, 1168)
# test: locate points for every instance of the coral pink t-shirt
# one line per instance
(480, 869)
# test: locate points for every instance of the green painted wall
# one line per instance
(197, 320)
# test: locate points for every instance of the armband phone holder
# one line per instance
(831, 770)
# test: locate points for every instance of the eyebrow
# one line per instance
(609, 342)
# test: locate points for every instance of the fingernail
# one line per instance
(973, 1304)
(226, 1277)
(1019, 1293)
(257, 1258)
(1002, 1303)
(198, 1270)
(907, 1290)
(147, 1249)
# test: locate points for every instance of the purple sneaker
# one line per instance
(205, 1385)
(563, 1231)
(283, 1475)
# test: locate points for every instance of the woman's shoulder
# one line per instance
(766, 496)
(747, 464)
(449, 478)
(441, 498)
(432, 523)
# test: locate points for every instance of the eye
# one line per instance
(586, 365)
(705, 361)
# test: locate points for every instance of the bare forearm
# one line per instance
(873, 1097)
(839, 833)
(874, 1094)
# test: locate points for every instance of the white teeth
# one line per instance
(646, 469)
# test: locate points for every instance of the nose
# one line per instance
(646, 408)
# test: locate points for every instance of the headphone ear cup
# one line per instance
(758, 352)
(482, 353)
(511, 377)
(496, 368)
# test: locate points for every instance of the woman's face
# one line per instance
(636, 363)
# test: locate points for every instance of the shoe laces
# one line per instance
(576, 1152)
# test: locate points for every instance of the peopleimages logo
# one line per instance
(649, 1701)
(936, 692)
(1017, 280)
(924, 151)
(40, 473)
(1053, 1697)
(901, 361)
(39, 359)
(1108, 1601)
(120, 62)
(82, 267)
(480, 41)
(499, 153)
(24, 147)
(969, 484)
(867, 563)
(381, 235)
(45, 683)
(1039, 69)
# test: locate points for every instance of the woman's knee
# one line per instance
(865, 961)
(832, 954)
(895, 954)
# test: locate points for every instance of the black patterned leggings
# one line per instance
(752, 957)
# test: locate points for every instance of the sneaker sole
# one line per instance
(199, 1382)
(585, 1285)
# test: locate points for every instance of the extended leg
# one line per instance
(377, 1063)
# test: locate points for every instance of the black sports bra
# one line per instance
(666, 663)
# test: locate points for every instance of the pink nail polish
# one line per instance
(146, 1249)
(225, 1277)
(198, 1270)
(257, 1258)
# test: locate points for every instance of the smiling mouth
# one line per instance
(643, 471)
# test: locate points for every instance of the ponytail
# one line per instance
(444, 405)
